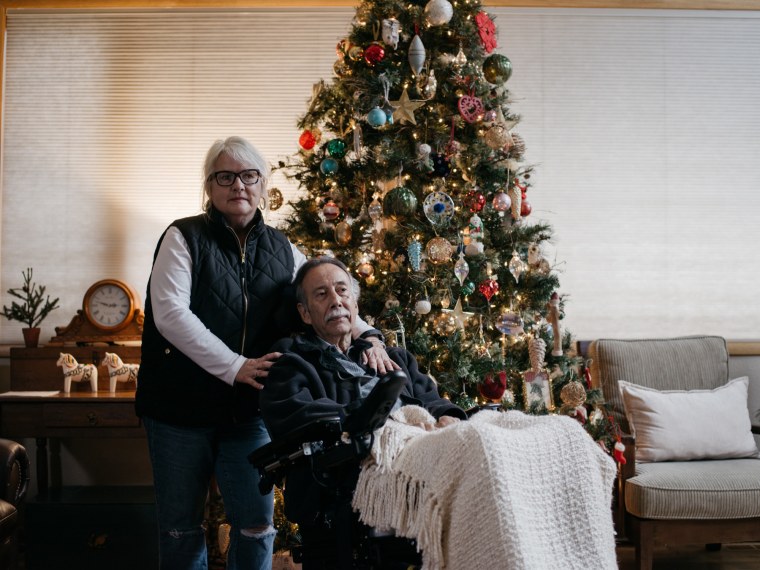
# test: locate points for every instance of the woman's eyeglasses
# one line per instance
(227, 178)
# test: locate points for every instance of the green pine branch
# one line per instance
(34, 306)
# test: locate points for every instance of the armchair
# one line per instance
(14, 480)
(686, 500)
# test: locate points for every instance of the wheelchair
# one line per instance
(332, 449)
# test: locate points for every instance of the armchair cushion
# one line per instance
(683, 363)
(684, 425)
(694, 490)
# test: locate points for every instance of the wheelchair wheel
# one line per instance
(331, 545)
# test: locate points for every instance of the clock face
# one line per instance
(108, 305)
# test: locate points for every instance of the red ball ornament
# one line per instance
(307, 140)
(525, 208)
(488, 288)
(474, 201)
(374, 54)
(493, 386)
(331, 210)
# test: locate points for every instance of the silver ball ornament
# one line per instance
(438, 12)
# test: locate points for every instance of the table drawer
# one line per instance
(86, 415)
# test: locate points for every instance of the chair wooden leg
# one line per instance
(644, 547)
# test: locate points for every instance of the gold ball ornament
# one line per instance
(355, 53)
(365, 270)
(445, 324)
(275, 199)
(573, 394)
(341, 68)
(342, 233)
(439, 250)
(342, 48)
(498, 137)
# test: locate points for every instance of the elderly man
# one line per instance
(320, 374)
(500, 475)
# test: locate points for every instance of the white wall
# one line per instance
(643, 125)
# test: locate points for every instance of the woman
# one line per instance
(216, 284)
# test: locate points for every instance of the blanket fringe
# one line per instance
(382, 498)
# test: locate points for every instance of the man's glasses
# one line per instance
(227, 178)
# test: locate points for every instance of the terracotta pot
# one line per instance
(31, 337)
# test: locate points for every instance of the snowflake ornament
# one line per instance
(486, 31)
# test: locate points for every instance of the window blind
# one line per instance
(108, 116)
(642, 125)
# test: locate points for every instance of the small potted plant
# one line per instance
(32, 310)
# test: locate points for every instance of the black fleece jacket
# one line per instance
(300, 388)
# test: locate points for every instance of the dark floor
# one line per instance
(744, 556)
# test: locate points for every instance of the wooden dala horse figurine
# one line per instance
(72, 370)
(118, 371)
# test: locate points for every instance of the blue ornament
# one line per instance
(388, 113)
(377, 117)
(328, 166)
(415, 254)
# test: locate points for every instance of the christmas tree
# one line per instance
(415, 176)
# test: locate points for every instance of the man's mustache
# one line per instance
(337, 314)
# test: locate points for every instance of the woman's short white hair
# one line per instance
(239, 149)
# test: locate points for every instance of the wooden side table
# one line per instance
(75, 415)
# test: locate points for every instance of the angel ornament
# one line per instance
(390, 32)
(423, 157)
(536, 261)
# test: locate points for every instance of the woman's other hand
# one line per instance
(255, 370)
(376, 357)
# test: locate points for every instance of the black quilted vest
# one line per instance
(237, 298)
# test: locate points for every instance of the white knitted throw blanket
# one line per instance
(501, 490)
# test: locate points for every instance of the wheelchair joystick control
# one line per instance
(377, 406)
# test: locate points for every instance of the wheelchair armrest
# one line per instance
(275, 458)
(320, 429)
(324, 438)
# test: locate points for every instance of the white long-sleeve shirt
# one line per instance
(170, 287)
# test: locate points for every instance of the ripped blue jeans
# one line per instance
(183, 461)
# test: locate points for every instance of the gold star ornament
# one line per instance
(404, 108)
(460, 315)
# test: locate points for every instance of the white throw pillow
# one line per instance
(681, 425)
